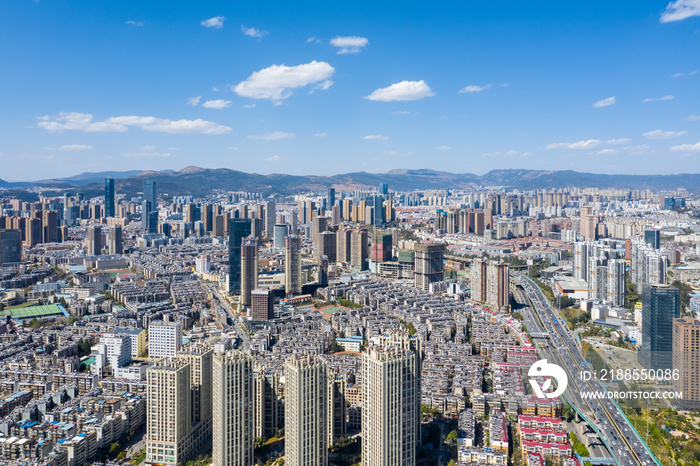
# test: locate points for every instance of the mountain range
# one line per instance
(198, 181)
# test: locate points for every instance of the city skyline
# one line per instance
(324, 90)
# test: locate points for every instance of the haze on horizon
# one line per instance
(295, 89)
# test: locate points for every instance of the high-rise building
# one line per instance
(270, 217)
(10, 246)
(164, 339)
(358, 249)
(179, 414)
(94, 241)
(498, 285)
(50, 226)
(330, 198)
(581, 252)
(318, 226)
(660, 305)
(207, 217)
(117, 349)
(262, 305)
(150, 193)
(490, 282)
(429, 264)
(169, 413)
(653, 238)
(249, 269)
(281, 232)
(390, 406)
(347, 210)
(110, 206)
(219, 223)
(33, 231)
(234, 401)
(616, 282)
(343, 249)
(292, 265)
(238, 228)
(588, 223)
(306, 411)
(268, 401)
(381, 247)
(686, 362)
(327, 245)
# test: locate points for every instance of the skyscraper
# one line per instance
(262, 305)
(653, 238)
(660, 305)
(169, 413)
(94, 240)
(331, 198)
(588, 223)
(306, 411)
(50, 226)
(686, 362)
(281, 232)
(292, 265)
(238, 228)
(115, 240)
(358, 249)
(10, 246)
(327, 245)
(150, 194)
(249, 269)
(429, 264)
(110, 206)
(207, 217)
(490, 283)
(390, 406)
(234, 398)
(270, 217)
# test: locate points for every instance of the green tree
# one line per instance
(115, 447)
(451, 438)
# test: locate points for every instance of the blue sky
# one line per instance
(333, 87)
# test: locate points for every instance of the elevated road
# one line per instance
(606, 418)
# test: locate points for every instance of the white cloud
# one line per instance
(618, 141)
(443, 148)
(658, 99)
(272, 136)
(605, 102)
(349, 44)
(470, 89)
(274, 158)
(77, 121)
(277, 81)
(403, 91)
(687, 147)
(608, 152)
(588, 144)
(680, 75)
(194, 101)
(253, 32)
(372, 137)
(680, 10)
(658, 134)
(148, 148)
(217, 104)
(216, 22)
(84, 122)
(76, 147)
(321, 135)
(693, 117)
(147, 154)
(135, 23)
(401, 112)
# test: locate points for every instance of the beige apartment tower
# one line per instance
(390, 406)
(234, 398)
(306, 411)
(429, 265)
(686, 360)
(169, 413)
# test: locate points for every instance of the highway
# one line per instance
(614, 428)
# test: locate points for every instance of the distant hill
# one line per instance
(198, 181)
